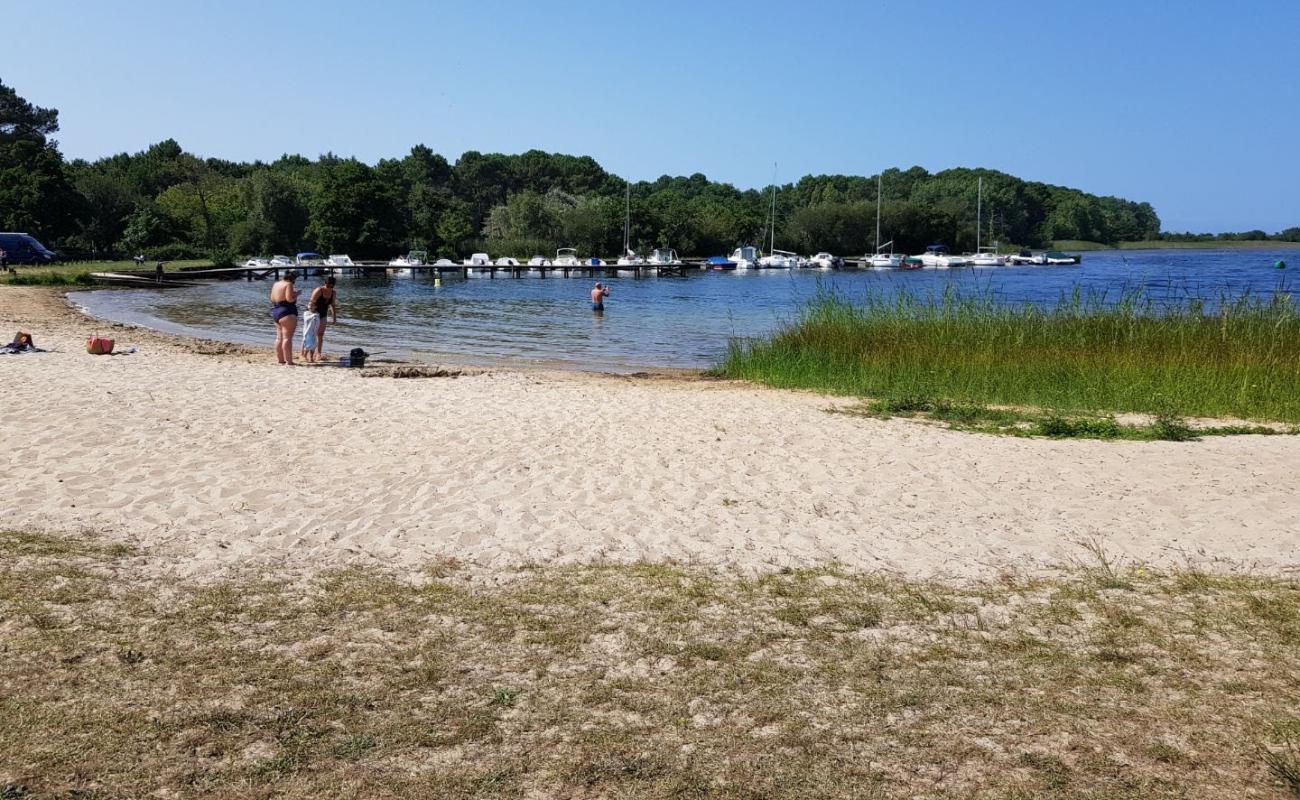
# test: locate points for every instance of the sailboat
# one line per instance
(881, 259)
(984, 256)
(777, 259)
(629, 258)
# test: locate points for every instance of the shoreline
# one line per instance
(212, 460)
(434, 358)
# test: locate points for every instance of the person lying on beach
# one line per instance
(284, 311)
(598, 296)
(22, 343)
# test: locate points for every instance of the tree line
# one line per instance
(169, 203)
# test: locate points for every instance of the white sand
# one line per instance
(211, 462)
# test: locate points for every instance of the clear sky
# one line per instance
(1193, 106)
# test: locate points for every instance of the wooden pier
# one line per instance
(491, 271)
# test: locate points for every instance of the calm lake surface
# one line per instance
(649, 322)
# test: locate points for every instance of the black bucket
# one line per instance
(357, 358)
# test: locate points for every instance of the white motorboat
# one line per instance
(822, 261)
(1026, 258)
(339, 260)
(1056, 257)
(665, 257)
(507, 261)
(282, 261)
(309, 260)
(444, 262)
(987, 257)
(888, 260)
(936, 256)
(401, 266)
(630, 259)
(566, 257)
(744, 257)
(595, 262)
(478, 260)
(539, 261)
(783, 259)
(258, 263)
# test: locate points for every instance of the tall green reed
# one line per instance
(1238, 356)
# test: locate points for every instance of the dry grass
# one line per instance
(640, 681)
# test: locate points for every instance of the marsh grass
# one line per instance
(1083, 355)
(641, 680)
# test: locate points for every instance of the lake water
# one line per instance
(648, 322)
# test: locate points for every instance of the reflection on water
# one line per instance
(666, 322)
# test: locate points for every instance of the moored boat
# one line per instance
(745, 257)
(401, 266)
(566, 257)
(1056, 257)
(1026, 258)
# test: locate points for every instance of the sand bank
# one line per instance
(212, 457)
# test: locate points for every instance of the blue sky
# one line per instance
(1191, 106)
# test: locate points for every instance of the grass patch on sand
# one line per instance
(1018, 422)
(78, 273)
(647, 681)
(1084, 355)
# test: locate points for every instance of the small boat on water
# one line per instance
(444, 262)
(666, 257)
(258, 263)
(1026, 258)
(718, 263)
(745, 257)
(311, 263)
(339, 260)
(539, 261)
(880, 259)
(282, 261)
(1056, 257)
(478, 260)
(783, 259)
(825, 261)
(987, 257)
(630, 259)
(566, 257)
(936, 256)
(912, 262)
(401, 266)
(885, 261)
(506, 261)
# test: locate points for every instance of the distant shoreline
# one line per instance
(1158, 244)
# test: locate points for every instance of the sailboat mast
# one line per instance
(979, 212)
(772, 219)
(627, 220)
(880, 182)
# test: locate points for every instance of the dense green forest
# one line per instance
(168, 203)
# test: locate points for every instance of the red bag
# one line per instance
(99, 346)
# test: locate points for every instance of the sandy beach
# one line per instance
(210, 457)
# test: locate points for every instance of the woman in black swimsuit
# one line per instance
(284, 310)
(322, 300)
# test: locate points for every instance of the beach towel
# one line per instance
(310, 324)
